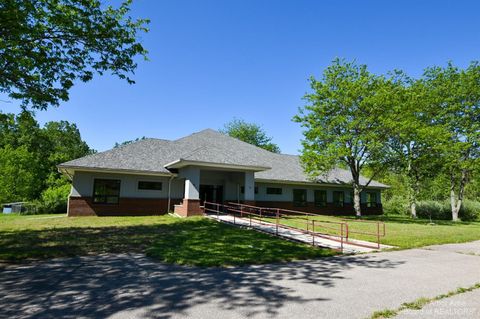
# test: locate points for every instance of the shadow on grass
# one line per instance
(200, 242)
(130, 285)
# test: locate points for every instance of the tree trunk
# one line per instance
(414, 187)
(413, 208)
(457, 201)
(356, 200)
(413, 190)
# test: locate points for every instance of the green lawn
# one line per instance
(193, 241)
(401, 231)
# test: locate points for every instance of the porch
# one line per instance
(214, 184)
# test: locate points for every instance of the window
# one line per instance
(338, 198)
(274, 191)
(154, 186)
(242, 190)
(106, 191)
(320, 198)
(299, 197)
(371, 199)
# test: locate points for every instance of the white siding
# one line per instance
(82, 185)
(287, 192)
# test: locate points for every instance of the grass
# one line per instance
(198, 241)
(193, 241)
(420, 303)
(401, 231)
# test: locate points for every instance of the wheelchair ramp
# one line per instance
(237, 215)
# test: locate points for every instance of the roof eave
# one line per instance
(282, 181)
(64, 169)
(179, 163)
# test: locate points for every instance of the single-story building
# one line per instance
(152, 176)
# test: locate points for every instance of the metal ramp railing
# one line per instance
(301, 222)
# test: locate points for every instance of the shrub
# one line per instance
(397, 205)
(434, 210)
(54, 200)
(470, 210)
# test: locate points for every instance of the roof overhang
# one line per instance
(234, 167)
(308, 183)
(70, 170)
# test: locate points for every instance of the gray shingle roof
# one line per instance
(151, 155)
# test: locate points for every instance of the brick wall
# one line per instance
(84, 206)
(189, 207)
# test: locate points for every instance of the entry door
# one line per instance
(206, 193)
(211, 193)
(219, 194)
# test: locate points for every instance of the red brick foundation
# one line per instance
(84, 206)
(330, 209)
(189, 207)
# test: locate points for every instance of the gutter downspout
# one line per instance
(169, 190)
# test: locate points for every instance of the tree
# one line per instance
(457, 94)
(250, 133)
(19, 175)
(21, 134)
(129, 142)
(341, 122)
(412, 137)
(46, 45)
(65, 144)
(29, 155)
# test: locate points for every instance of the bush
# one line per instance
(54, 200)
(470, 210)
(434, 210)
(397, 205)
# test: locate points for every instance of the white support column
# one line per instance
(192, 182)
(249, 186)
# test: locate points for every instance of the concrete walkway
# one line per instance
(324, 241)
(133, 286)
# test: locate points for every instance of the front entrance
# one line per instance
(211, 193)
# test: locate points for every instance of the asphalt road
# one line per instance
(133, 286)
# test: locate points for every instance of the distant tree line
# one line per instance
(422, 135)
(29, 154)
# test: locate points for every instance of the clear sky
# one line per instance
(211, 61)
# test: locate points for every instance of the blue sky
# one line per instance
(211, 61)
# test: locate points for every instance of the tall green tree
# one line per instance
(413, 138)
(21, 134)
(19, 175)
(250, 133)
(47, 45)
(341, 124)
(457, 94)
(29, 155)
(65, 144)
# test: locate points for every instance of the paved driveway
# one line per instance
(131, 286)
